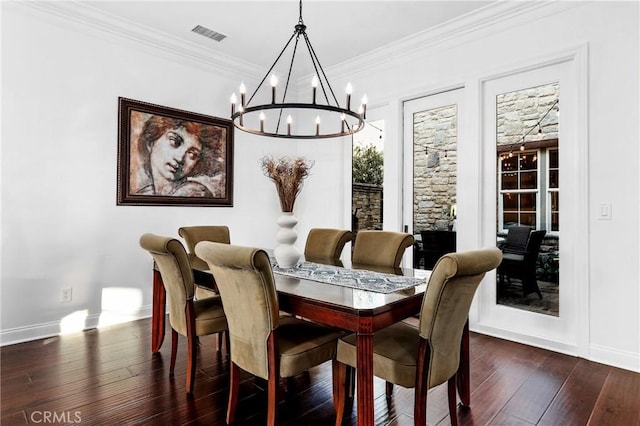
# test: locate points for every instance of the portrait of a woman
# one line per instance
(176, 158)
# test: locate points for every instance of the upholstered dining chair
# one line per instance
(326, 244)
(188, 317)
(380, 248)
(428, 355)
(262, 343)
(192, 235)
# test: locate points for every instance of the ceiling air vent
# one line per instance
(213, 35)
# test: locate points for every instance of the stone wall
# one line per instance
(519, 111)
(434, 168)
(366, 206)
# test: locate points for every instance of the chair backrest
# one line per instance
(516, 242)
(533, 245)
(192, 235)
(436, 244)
(326, 243)
(381, 248)
(247, 288)
(172, 262)
(443, 241)
(446, 304)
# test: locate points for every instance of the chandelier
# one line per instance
(268, 119)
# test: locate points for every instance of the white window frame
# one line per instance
(501, 191)
(550, 190)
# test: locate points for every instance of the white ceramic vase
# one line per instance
(286, 253)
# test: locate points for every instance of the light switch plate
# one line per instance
(604, 211)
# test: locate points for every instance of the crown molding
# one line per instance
(82, 13)
(483, 22)
(487, 20)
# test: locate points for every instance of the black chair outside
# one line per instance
(522, 265)
(436, 244)
(516, 241)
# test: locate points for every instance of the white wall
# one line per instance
(60, 224)
(61, 227)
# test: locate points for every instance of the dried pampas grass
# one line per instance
(288, 175)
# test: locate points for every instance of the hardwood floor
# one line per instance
(110, 377)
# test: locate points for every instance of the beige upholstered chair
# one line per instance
(262, 343)
(192, 235)
(380, 248)
(187, 316)
(429, 355)
(325, 244)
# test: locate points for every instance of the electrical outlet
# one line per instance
(65, 295)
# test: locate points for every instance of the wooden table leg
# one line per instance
(464, 370)
(158, 312)
(364, 371)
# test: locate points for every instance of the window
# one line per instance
(528, 187)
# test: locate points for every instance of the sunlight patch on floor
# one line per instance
(119, 304)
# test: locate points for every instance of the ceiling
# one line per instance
(258, 30)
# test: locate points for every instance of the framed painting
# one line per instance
(168, 156)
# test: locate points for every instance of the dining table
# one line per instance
(346, 303)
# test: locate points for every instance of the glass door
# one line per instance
(534, 296)
(431, 132)
(528, 195)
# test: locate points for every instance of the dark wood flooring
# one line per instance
(110, 377)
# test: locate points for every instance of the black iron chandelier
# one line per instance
(331, 120)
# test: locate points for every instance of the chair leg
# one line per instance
(530, 285)
(234, 387)
(192, 342)
(420, 405)
(340, 387)
(453, 403)
(351, 382)
(273, 387)
(191, 361)
(388, 389)
(422, 384)
(174, 350)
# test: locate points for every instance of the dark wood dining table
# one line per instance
(353, 310)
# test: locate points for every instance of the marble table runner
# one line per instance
(354, 278)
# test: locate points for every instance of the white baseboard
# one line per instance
(613, 357)
(538, 342)
(54, 328)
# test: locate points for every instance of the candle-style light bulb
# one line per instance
(274, 83)
(234, 100)
(289, 121)
(314, 85)
(349, 89)
(317, 125)
(243, 90)
(342, 118)
(241, 110)
(364, 106)
(262, 117)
